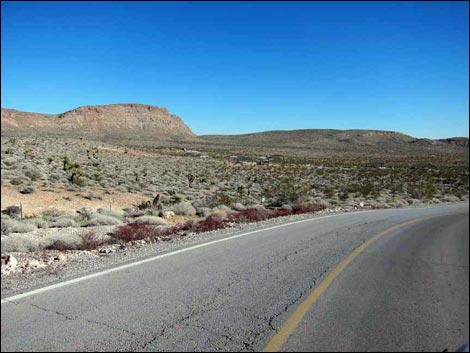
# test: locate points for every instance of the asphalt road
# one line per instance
(407, 291)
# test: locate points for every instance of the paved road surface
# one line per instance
(409, 290)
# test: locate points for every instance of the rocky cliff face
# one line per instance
(116, 118)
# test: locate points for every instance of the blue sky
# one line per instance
(239, 67)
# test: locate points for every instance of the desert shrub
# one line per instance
(306, 208)
(17, 181)
(280, 212)
(90, 241)
(367, 189)
(203, 211)
(248, 215)
(222, 208)
(61, 245)
(208, 224)
(429, 191)
(110, 213)
(378, 206)
(28, 190)
(90, 196)
(413, 201)
(184, 208)
(40, 223)
(323, 203)
(51, 213)
(224, 199)
(329, 193)
(85, 214)
(218, 214)
(144, 205)
(63, 222)
(416, 192)
(128, 212)
(7, 224)
(12, 211)
(179, 229)
(257, 207)
(10, 162)
(33, 174)
(450, 198)
(135, 231)
(344, 195)
(98, 219)
(151, 220)
(238, 206)
(23, 227)
(19, 243)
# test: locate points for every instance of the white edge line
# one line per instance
(118, 268)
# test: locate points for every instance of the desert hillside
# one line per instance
(101, 119)
(331, 139)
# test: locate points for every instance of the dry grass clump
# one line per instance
(11, 225)
(97, 219)
(19, 243)
(91, 241)
(153, 220)
(63, 222)
(110, 213)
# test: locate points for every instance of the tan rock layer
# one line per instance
(119, 118)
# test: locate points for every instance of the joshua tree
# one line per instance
(190, 179)
(269, 159)
(156, 202)
(66, 163)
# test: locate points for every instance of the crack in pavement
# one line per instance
(77, 318)
(294, 301)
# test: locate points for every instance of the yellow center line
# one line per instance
(289, 326)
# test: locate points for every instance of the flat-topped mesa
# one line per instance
(109, 119)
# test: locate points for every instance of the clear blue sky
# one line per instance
(240, 67)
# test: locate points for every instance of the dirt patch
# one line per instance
(34, 204)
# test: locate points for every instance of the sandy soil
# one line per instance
(41, 200)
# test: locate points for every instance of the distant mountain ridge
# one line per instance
(114, 118)
(330, 138)
(131, 121)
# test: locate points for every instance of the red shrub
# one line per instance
(279, 212)
(138, 231)
(248, 215)
(306, 208)
(179, 229)
(90, 241)
(135, 231)
(208, 224)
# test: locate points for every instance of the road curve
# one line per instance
(406, 291)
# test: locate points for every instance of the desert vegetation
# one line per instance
(192, 187)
